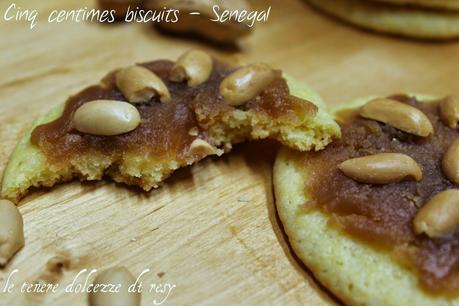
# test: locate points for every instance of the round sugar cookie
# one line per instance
(356, 272)
(394, 19)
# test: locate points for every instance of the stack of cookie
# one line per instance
(425, 19)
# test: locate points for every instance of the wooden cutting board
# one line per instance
(212, 229)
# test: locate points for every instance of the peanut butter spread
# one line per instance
(165, 128)
(382, 215)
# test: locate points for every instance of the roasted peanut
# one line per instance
(383, 168)
(202, 147)
(106, 117)
(450, 162)
(440, 215)
(399, 115)
(246, 83)
(115, 276)
(194, 66)
(449, 111)
(11, 231)
(138, 84)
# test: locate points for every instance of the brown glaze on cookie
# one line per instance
(164, 128)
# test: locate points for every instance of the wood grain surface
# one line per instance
(212, 229)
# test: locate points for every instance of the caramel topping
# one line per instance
(165, 129)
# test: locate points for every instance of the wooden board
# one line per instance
(212, 230)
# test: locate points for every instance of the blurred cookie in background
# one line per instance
(196, 16)
(217, 21)
(119, 6)
(438, 4)
(409, 21)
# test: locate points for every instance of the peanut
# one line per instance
(202, 147)
(440, 215)
(194, 66)
(106, 118)
(383, 168)
(399, 115)
(450, 162)
(11, 231)
(449, 111)
(246, 83)
(138, 84)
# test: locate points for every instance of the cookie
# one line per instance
(364, 233)
(141, 123)
(436, 4)
(198, 18)
(393, 19)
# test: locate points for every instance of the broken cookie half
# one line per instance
(141, 123)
